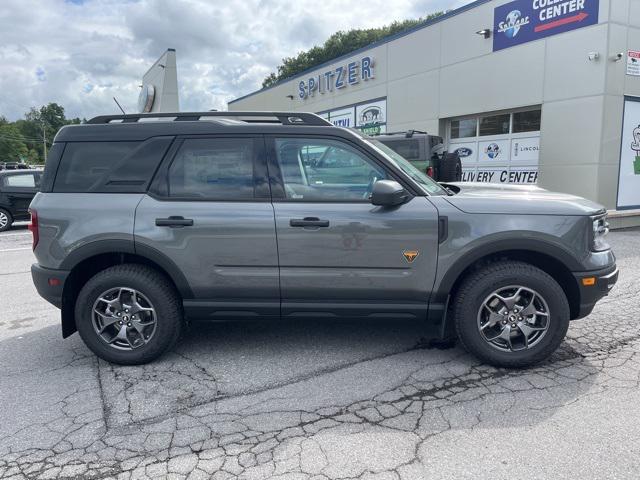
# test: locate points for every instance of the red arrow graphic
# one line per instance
(563, 21)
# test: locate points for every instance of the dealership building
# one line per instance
(540, 92)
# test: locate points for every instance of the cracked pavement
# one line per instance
(319, 400)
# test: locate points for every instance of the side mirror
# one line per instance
(388, 193)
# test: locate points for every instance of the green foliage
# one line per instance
(338, 44)
(24, 140)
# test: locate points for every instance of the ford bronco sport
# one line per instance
(140, 225)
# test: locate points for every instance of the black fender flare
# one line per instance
(116, 246)
(550, 250)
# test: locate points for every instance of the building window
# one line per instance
(526, 121)
(495, 125)
(464, 128)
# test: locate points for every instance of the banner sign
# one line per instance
(369, 117)
(629, 176)
(523, 21)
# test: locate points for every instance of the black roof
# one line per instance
(139, 127)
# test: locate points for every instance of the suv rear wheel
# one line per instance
(5, 220)
(511, 314)
(129, 314)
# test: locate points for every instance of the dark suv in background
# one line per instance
(426, 152)
(17, 189)
(141, 225)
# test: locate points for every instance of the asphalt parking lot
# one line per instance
(317, 400)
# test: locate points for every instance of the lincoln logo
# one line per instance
(410, 255)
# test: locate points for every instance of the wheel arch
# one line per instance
(551, 259)
(97, 256)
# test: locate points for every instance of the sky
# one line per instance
(82, 53)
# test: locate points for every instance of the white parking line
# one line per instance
(25, 234)
(15, 249)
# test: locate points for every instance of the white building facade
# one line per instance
(527, 91)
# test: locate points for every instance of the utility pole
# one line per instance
(44, 141)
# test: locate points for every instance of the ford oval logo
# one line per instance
(464, 152)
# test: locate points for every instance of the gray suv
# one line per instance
(144, 222)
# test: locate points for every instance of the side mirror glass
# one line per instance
(388, 193)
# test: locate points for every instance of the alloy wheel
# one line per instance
(513, 318)
(124, 318)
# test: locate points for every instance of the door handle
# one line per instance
(174, 222)
(308, 222)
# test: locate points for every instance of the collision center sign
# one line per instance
(523, 21)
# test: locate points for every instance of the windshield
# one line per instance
(424, 180)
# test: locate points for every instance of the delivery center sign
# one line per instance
(523, 21)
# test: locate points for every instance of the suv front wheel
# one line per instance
(511, 314)
(129, 314)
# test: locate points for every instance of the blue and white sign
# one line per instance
(523, 21)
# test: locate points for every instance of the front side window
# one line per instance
(210, 168)
(322, 169)
(21, 181)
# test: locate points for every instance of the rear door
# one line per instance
(209, 213)
(18, 189)
(339, 254)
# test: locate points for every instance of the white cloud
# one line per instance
(81, 53)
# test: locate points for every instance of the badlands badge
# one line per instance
(410, 255)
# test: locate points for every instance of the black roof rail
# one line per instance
(406, 133)
(285, 118)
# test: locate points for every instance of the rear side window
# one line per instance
(214, 168)
(409, 149)
(109, 167)
(27, 180)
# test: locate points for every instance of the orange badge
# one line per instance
(410, 255)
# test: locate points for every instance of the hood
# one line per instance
(517, 199)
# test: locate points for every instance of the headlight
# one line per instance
(600, 230)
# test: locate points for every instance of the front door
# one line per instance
(339, 254)
(210, 215)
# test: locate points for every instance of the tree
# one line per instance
(24, 140)
(338, 44)
(12, 144)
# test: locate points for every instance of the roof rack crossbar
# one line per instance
(285, 118)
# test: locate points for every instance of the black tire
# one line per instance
(7, 225)
(450, 168)
(482, 283)
(156, 288)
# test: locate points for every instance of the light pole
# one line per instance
(44, 141)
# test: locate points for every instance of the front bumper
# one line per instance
(49, 283)
(603, 282)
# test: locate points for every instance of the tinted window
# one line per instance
(213, 169)
(109, 167)
(464, 128)
(27, 180)
(318, 169)
(495, 125)
(409, 149)
(526, 121)
(84, 164)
